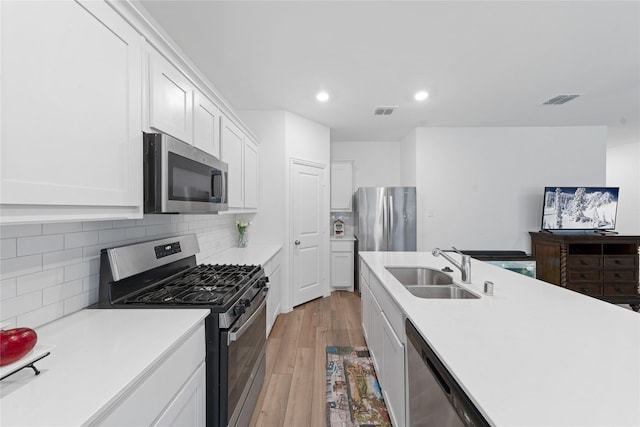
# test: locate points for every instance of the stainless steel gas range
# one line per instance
(164, 274)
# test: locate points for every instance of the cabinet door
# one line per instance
(250, 174)
(188, 407)
(170, 99)
(273, 298)
(341, 186)
(394, 376)
(375, 338)
(342, 270)
(71, 111)
(206, 124)
(231, 148)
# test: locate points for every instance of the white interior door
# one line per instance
(307, 229)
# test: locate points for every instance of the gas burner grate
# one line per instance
(202, 284)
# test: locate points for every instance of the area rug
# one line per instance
(354, 397)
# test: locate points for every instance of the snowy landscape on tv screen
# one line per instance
(579, 208)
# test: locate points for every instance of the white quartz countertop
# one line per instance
(252, 254)
(534, 354)
(98, 356)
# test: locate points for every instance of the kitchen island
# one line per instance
(113, 367)
(533, 354)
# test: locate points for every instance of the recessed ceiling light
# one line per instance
(421, 96)
(322, 96)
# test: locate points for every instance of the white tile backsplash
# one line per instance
(7, 248)
(51, 270)
(18, 266)
(40, 280)
(39, 244)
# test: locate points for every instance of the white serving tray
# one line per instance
(36, 353)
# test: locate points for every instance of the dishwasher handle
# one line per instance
(437, 375)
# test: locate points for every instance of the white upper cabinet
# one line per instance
(242, 156)
(231, 147)
(341, 186)
(71, 115)
(250, 174)
(206, 124)
(170, 99)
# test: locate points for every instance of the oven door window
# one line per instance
(244, 355)
(191, 181)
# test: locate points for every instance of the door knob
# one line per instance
(297, 243)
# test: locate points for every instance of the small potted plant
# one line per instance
(243, 239)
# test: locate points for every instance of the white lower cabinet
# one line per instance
(170, 394)
(394, 376)
(71, 114)
(342, 265)
(375, 338)
(187, 409)
(383, 327)
(273, 272)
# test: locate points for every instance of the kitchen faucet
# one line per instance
(464, 266)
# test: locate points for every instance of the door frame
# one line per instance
(325, 236)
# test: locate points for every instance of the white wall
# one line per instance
(48, 271)
(375, 164)
(408, 164)
(267, 226)
(481, 188)
(623, 170)
(285, 136)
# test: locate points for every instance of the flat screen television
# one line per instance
(579, 208)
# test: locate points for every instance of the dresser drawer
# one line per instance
(585, 261)
(627, 261)
(586, 288)
(576, 275)
(620, 290)
(615, 276)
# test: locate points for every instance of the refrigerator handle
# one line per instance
(391, 224)
(385, 222)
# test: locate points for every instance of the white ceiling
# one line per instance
(483, 63)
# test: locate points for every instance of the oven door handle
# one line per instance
(234, 336)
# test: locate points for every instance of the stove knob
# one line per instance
(239, 310)
(245, 302)
(262, 282)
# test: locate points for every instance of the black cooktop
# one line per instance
(203, 284)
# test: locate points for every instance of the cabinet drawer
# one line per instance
(614, 276)
(586, 261)
(340, 246)
(364, 272)
(587, 288)
(576, 275)
(621, 261)
(621, 290)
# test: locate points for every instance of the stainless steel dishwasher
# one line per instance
(435, 398)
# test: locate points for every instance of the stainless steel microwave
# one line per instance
(179, 178)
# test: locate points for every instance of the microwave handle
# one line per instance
(224, 187)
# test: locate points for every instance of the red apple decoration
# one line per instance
(15, 343)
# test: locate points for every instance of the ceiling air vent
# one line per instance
(559, 99)
(384, 111)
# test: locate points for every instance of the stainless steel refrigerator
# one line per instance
(385, 218)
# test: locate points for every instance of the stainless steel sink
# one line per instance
(441, 292)
(424, 282)
(420, 276)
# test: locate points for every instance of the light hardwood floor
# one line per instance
(293, 393)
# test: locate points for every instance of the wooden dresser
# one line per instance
(601, 266)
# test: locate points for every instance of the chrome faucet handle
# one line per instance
(457, 251)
